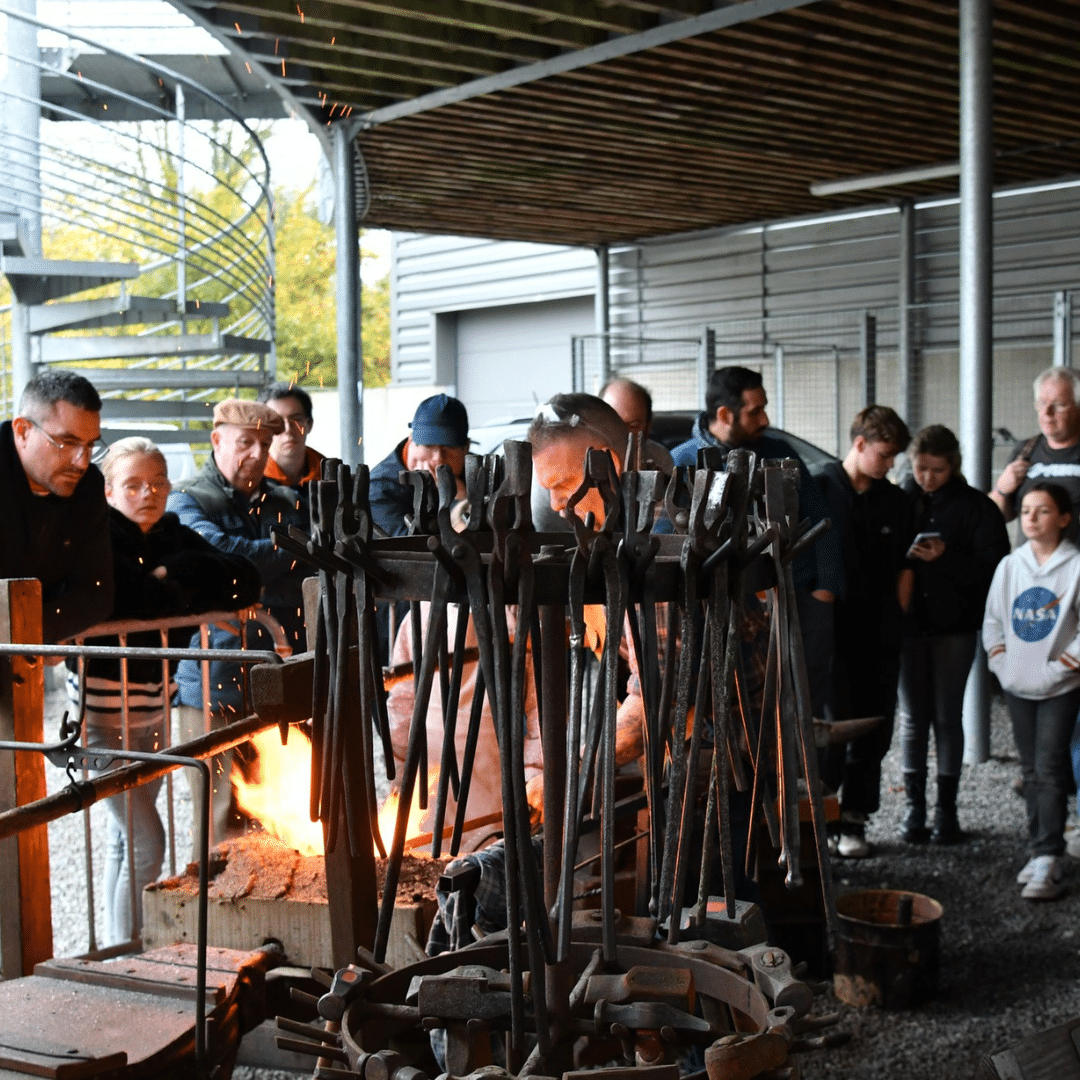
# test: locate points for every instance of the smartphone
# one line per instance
(921, 539)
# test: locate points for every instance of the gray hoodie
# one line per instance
(1031, 628)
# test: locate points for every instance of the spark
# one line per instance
(239, 32)
(348, 111)
(105, 107)
(333, 39)
(248, 66)
(276, 40)
(79, 73)
(300, 10)
(333, 107)
(283, 67)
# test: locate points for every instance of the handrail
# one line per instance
(201, 236)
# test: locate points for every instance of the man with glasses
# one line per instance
(292, 462)
(1052, 455)
(57, 520)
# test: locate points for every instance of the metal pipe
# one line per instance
(181, 209)
(20, 121)
(976, 238)
(72, 799)
(1063, 329)
(905, 352)
(781, 403)
(349, 361)
(603, 317)
(976, 293)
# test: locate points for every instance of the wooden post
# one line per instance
(25, 903)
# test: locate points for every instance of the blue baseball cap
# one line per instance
(440, 421)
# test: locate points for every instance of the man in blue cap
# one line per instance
(440, 436)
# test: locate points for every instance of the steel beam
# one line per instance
(868, 359)
(603, 317)
(976, 296)
(1062, 329)
(349, 361)
(627, 45)
(905, 352)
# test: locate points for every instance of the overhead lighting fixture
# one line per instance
(889, 179)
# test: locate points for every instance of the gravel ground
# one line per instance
(1009, 966)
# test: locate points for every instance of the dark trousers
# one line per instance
(933, 674)
(1042, 730)
(866, 669)
(816, 631)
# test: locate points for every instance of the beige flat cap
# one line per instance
(248, 414)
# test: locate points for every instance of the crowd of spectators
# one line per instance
(891, 598)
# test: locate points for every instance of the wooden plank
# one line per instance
(99, 1021)
(35, 1056)
(25, 907)
(142, 978)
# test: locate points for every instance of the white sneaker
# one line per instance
(1045, 880)
(1028, 870)
(852, 845)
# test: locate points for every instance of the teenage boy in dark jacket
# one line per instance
(872, 517)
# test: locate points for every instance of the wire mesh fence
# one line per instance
(818, 369)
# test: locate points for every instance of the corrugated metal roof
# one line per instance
(727, 126)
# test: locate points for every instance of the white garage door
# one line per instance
(510, 358)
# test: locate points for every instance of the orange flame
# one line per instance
(388, 817)
(279, 796)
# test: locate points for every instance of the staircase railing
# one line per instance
(188, 200)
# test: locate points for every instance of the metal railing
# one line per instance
(72, 753)
(143, 767)
(188, 200)
(123, 630)
(820, 367)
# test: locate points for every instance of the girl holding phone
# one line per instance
(961, 539)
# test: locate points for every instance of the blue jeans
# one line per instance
(1043, 730)
(148, 835)
(933, 674)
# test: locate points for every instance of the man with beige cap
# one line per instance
(231, 504)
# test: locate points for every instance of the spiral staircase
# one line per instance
(185, 315)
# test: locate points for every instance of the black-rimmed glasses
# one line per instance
(73, 449)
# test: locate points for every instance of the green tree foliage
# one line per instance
(138, 221)
(306, 301)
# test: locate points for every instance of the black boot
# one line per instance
(946, 823)
(913, 828)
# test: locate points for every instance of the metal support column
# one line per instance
(1062, 329)
(603, 317)
(20, 164)
(905, 350)
(868, 359)
(706, 363)
(976, 298)
(349, 345)
(779, 403)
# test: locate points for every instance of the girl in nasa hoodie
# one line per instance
(1031, 631)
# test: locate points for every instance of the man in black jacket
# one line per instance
(57, 520)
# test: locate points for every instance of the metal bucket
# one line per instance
(888, 948)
